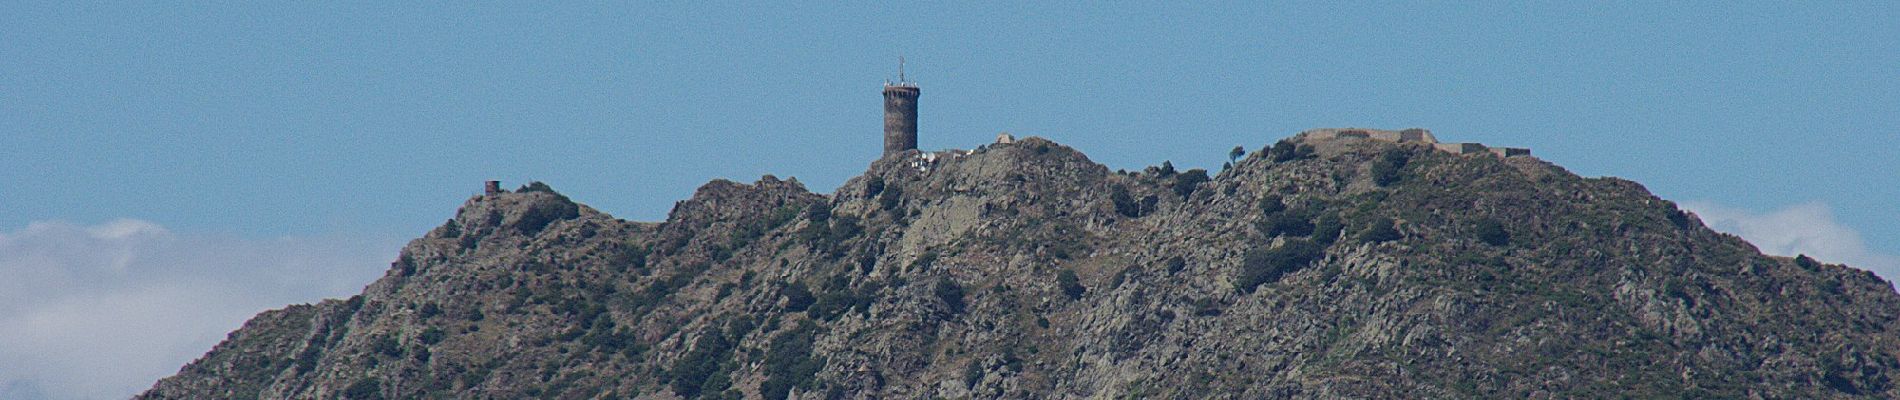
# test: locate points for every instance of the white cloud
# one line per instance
(1808, 228)
(95, 312)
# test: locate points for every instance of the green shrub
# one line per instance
(1176, 264)
(1070, 284)
(1187, 182)
(1380, 229)
(364, 389)
(828, 238)
(1262, 266)
(950, 293)
(818, 211)
(1807, 263)
(386, 345)
(540, 214)
(307, 359)
(840, 299)
(789, 362)
(797, 297)
(1272, 204)
(1290, 223)
(893, 196)
(704, 367)
(1327, 229)
(1205, 307)
(1236, 153)
(1386, 170)
(924, 261)
(1492, 232)
(873, 186)
(1676, 215)
(1283, 151)
(1124, 203)
(536, 186)
(972, 373)
(432, 335)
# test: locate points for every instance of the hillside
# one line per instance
(1312, 268)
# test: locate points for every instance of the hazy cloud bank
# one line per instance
(1808, 228)
(96, 312)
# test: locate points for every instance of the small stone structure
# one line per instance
(1005, 138)
(1510, 151)
(1460, 148)
(491, 188)
(1415, 136)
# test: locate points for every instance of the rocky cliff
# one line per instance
(1311, 269)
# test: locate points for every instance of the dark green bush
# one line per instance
(1290, 223)
(1676, 215)
(1327, 229)
(1380, 229)
(828, 238)
(1206, 307)
(873, 185)
(972, 373)
(924, 261)
(1070, 284)
(1272, 204)
(789, 362)
(536, 186)
(704, 367)
(1124, 203)
(950, 293)
(893, 196)
(1187, 182)
(1283, 151)
(364, 389)
(1492, 232)
(386, 345)
(1176, 264)
(1386, 170)
(751, 229)
(797, 297)
(542, 213)
(1262, 266)
(1807, 263)
(818, 211)
(838, 299)
(432, 335)
(1236, 153)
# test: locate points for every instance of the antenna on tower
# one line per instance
(900, 70)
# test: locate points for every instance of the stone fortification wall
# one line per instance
(1413, 135)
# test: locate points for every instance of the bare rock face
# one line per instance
(1358, 269)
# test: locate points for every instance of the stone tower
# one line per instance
(900, 114)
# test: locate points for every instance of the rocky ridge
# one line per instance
(1310, 268)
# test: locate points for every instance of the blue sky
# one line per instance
(302, 128)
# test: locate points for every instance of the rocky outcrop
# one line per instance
(1360, 269)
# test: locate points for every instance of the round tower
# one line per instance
(900, 113)
(900, 117)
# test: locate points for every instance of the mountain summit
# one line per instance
(1328, 265)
